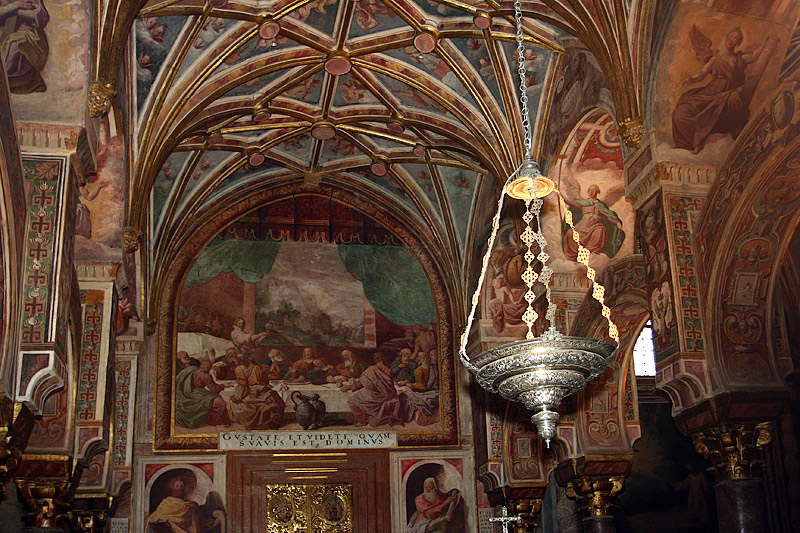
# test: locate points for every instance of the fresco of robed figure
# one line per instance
(347, 315)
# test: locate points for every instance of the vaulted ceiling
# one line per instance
(412, 103)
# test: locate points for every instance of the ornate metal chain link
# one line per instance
(523, 88)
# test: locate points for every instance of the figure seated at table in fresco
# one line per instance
(309, 369)
(403, 367)
(225, 366)
(375, 401)
(349, 367)
(276, 364)
(254, 404)
(420, 397)
(197, 397)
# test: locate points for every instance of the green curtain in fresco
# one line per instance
(249, 260)
(393, 282)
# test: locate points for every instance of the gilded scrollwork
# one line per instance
(324, 507)
(632, 131)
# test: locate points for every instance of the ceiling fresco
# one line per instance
(404, 100)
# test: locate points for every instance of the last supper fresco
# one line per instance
(306, 314)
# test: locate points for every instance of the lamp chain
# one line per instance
(546, 273)
(462, 351)
(598, 291)
(529, 276)
(523, 88)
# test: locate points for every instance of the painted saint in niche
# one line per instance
(174, 500)
(722, 106)
(598, 226)
(434, 499)
(24, 44)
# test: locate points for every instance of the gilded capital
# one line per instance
(734, 449)
(16, 422)
(100, 96)
(527, 509)
(48, 499)
(89, 513)
(595, 494)
(632, 131)
(132, 239)
(47, 483)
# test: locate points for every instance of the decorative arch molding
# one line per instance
(744, 276)
(742, 236)
(167, 294)
(13, 214)
(606, 414)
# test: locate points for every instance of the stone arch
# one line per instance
(604, 423)
(745, 229)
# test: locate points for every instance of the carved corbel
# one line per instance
(632, 131)
(735, 449)
(47, 483)
(16, 423)
(89, 513)
(100, 98)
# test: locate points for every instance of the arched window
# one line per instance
(644, 354)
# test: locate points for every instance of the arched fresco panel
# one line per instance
(295, 299)
(590, 175)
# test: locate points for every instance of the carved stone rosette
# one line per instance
(734, 449)
(100, 95)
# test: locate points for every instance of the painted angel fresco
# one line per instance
(598, 226)
(705, 114)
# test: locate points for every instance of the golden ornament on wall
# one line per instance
(324, 507)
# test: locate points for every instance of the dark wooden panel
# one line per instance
(368, 471)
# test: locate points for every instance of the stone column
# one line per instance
(594, 482)
(735, 451)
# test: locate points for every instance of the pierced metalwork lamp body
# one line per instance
(539, 371)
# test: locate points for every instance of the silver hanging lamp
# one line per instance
(538, 371)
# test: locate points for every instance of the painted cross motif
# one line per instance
(505, 519)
